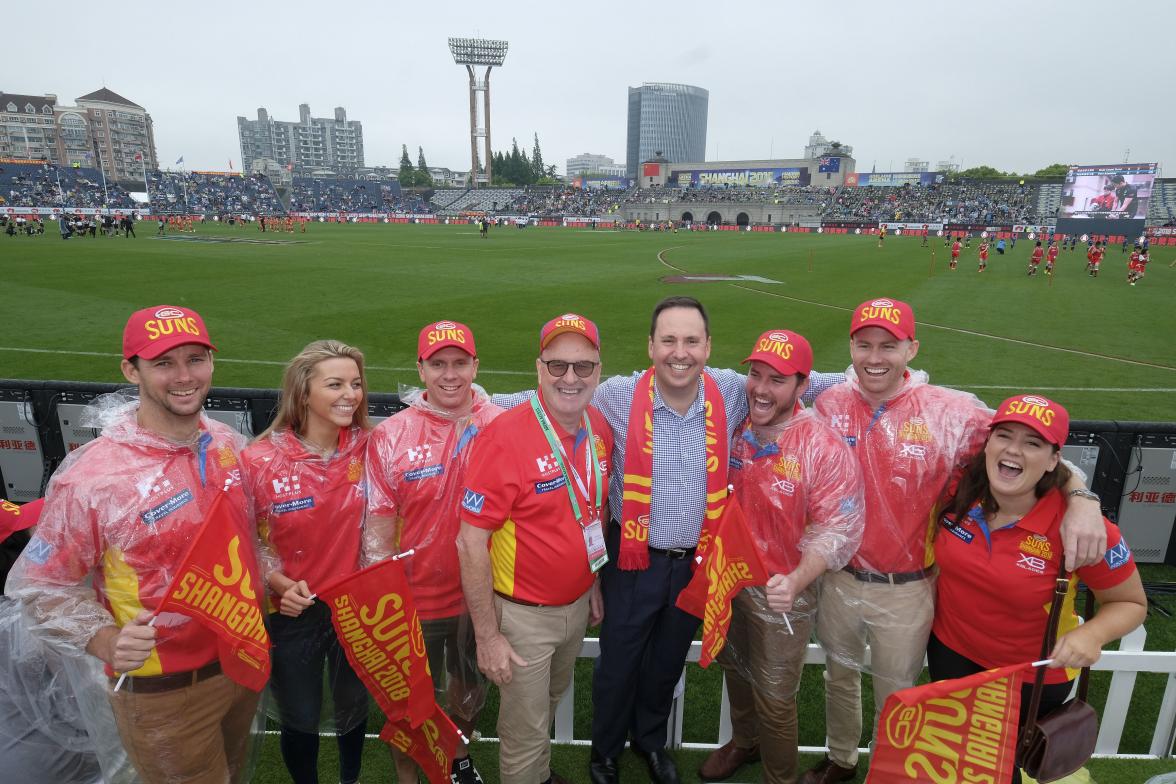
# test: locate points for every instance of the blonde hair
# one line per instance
(295, 393)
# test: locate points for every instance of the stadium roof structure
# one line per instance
(108, 96)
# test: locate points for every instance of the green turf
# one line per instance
(376, 285)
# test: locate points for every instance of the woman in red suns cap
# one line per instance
(999, 550)
(306, 474)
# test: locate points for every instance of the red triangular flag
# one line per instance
(730, 563)
(217, 585)
(376, 621)
(964, 729)
(432, 745)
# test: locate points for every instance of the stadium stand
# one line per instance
(1162, 211)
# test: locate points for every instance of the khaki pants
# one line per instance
(895, 621)
(763, 665)
(549, 640)
(195, 735)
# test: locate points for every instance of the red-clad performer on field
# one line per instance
(121, 512)
(416, 465)
(305, 473)
(1035, 258)
(801, 492)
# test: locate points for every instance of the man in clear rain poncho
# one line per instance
(121, 512)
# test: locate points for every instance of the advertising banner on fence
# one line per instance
(755, 178)
(892, 179)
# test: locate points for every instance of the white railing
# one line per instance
(1125, 663)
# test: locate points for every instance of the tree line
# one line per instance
(508, 168)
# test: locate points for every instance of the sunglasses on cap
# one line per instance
(558, 368)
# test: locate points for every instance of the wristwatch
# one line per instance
(1082, 492)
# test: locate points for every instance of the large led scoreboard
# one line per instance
(1107, 199)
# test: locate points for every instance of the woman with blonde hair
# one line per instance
(306, 473)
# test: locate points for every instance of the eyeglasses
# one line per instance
(558, 368)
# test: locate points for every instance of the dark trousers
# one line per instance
(944, 663)
(643, 645)
(301, 647)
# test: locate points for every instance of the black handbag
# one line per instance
(1059, 743)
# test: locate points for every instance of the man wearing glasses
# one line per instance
(532, 541)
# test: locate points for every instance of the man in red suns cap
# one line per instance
(911, 439)
(121, 511)
(532, 542)
(801, 491)
(417, 462)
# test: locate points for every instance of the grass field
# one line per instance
(1100, 347)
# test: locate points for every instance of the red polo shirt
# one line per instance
(515, 489)
(909, 448)
(417, 461)
(995, 591)
(309, 509)
(801, 492)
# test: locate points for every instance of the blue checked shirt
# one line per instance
(679, 448)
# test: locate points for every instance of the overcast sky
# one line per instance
(1016, 85)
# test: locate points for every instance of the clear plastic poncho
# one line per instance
(416, 469)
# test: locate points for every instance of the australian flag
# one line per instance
(829, 164)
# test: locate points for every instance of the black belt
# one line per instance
(674, 553)
(153, 684)
(893, 578)
(523, 602)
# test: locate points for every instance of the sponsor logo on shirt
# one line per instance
(419, 454)
(1036, 544)
(550, 484)
(1117, 555)
(38, 551)
(788, 467)
(472, 502)
(1032, 563)
(912, 450)
(957, 531)
(424, 473)
(287, 484)
(294, 505)
(157, 513)
(914, 429)
(546, 463)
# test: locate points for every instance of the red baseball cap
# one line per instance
(442, 334)
(152, 332)
(15, 517)
(897, 318)
(569, 322)
(1049, 419)
(785, 351)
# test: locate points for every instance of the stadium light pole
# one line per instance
(472, 52)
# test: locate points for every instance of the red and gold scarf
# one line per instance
(638, 484)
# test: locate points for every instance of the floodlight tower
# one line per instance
(471, 52)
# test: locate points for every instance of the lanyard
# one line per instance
(591, 463)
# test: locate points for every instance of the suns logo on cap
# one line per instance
(169, 313)
(1035, 400)
(781, 337)
(445, 325)
(882, 303)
